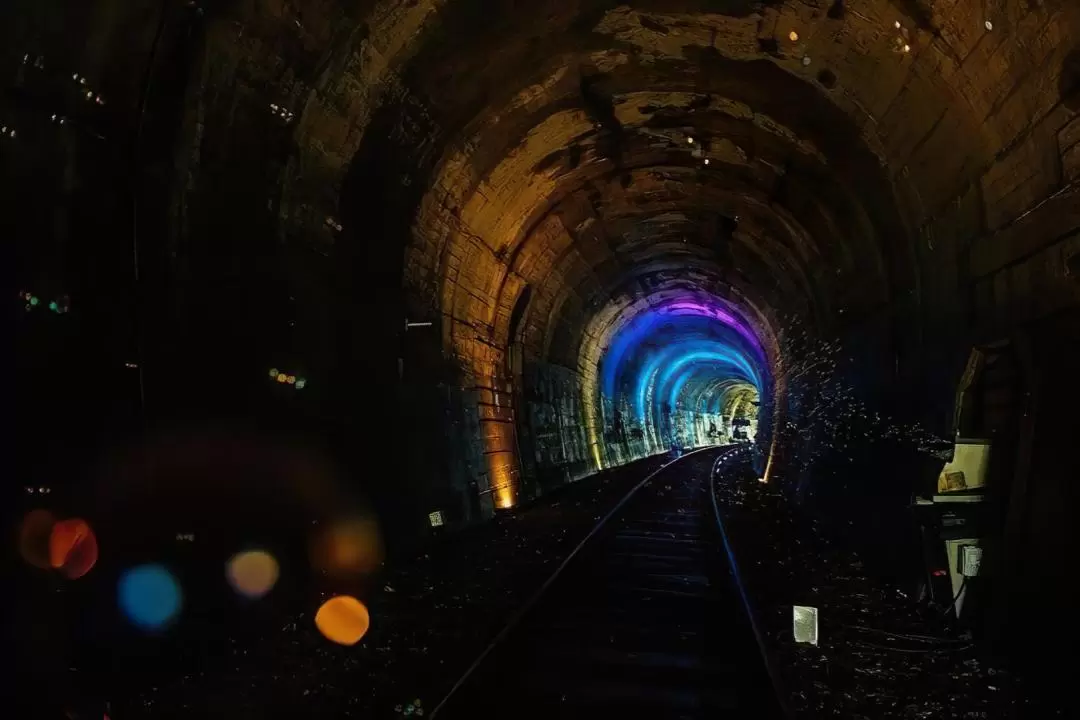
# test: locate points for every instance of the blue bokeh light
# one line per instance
(150, 596)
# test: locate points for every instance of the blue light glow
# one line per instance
(680, 365)
(150, 596)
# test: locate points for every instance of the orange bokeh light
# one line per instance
(343, 619)
(253, 573)
(73, 549)
(348, 547)
(34, 533)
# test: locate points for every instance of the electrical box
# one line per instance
(970, 560)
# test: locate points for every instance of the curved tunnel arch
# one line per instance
(527, 191)
(543, 149)
(646, 357)
(575, 203)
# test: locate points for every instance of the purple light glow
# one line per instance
(738, 324)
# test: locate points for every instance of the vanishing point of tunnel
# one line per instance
(347, 296)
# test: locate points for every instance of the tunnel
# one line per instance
(483, 250)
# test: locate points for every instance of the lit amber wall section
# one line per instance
(495, 405)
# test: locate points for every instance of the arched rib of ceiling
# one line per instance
(489, 216)
(659, 355)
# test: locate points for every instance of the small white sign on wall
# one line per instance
(435, 518)
(805, 624)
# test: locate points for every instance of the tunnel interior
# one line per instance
(614, 216)
(508, 245)
(676, 371)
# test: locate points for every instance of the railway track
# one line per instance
(643, 619)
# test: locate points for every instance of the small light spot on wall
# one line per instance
(793, 36)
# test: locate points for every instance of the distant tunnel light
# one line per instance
(436, 518)
(793, 36)
(285, 378)
(805, 624)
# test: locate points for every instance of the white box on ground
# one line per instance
(805, 624)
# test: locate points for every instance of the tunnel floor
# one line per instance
(645, 620)
(597, 638)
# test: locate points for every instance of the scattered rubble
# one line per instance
(880, 654)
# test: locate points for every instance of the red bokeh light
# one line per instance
(73, 549)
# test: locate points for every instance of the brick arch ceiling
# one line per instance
(553, 144)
